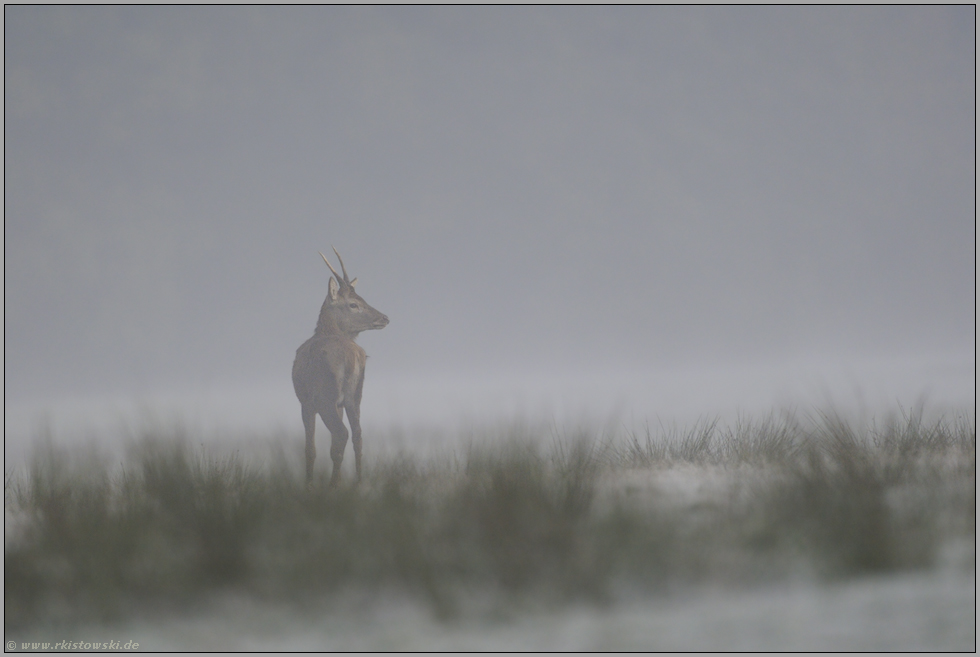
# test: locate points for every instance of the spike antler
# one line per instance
(339, 279)
(342, 268)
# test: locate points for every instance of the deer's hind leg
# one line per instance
(338, 439)
(309, 424)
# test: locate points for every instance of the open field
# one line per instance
(524, 518)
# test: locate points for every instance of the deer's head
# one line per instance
(350, 313)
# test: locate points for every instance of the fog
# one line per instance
(649, 210)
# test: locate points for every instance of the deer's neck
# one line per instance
(326, 324)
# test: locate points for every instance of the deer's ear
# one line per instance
(353, 282)
(334, 289)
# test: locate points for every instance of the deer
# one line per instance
(328, 373)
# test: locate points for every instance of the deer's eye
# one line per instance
(353, 305)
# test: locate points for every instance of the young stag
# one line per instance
(328, 373)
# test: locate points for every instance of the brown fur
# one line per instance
(328, 373)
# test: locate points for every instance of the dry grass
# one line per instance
(172, 526)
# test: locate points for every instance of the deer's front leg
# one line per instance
(354, 417)
(338, 440)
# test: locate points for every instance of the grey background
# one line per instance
(520, 189)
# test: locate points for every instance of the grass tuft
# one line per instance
(520, 516)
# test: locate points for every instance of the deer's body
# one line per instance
(328, 373)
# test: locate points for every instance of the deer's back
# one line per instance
(328, 369)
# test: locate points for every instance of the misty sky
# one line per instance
(518, 189)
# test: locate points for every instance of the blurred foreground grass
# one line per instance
(517, 517)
